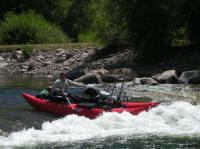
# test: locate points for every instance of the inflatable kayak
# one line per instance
(87, 110)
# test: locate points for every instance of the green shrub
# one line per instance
(26, 51)
(87, 37)
(29, 27)
(180, 37)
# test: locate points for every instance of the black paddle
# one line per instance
(112, 90)
(120, 92)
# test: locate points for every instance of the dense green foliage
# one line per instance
(74, 16)
(29, 28)
(151, 27)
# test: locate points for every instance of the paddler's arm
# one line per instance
(76, 84)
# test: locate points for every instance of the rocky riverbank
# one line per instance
(91, 64)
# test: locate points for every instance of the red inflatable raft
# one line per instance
(66, 109)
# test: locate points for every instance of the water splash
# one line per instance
(178, 119)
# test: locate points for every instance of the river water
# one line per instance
(174, 124)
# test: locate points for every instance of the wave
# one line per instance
(178, 119)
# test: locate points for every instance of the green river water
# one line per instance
(174, 124)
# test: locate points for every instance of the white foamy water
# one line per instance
(178, 119)
(166, 92)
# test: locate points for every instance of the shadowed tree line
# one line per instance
(152, 27)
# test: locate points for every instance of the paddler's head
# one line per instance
(63, 75)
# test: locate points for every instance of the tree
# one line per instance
(191, 10)
(143, 24)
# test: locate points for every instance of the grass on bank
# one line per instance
(11, 48)
(30, 28)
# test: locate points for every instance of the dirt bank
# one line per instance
(48, 59)
(53, 59)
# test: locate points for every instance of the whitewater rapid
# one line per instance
(177, 119)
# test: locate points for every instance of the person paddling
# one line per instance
(60, 86)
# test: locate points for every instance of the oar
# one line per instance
(73, 109)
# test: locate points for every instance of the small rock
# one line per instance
(17, 55)
(2, 65)
(46, 63)
(59, 50)
(60, 59)
(23, 70)
(31, 66)
(40, 57)
(61, 53)
(84, 55)
(68, 56)
(1, 58)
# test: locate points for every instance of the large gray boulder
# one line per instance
(102, 71)
(128, 73)
(76, 72)
(167, 77)
(90, 78)
(82, 70)
(190, 77)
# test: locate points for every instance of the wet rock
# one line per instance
(167, 77)
(190, 77)
(145, 80)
